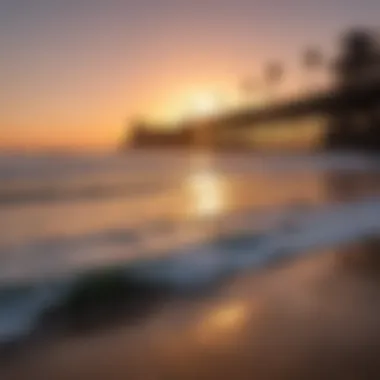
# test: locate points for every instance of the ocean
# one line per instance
(180, 219)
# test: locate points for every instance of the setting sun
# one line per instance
(191, 103)
(205, 105)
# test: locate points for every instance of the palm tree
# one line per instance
(312, 61)
(273, 74)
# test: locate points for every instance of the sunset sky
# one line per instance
(72, 72)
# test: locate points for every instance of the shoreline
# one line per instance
(113, 287)
(309, 305)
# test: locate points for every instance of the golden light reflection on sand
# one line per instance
(228, 317)
(224, 319)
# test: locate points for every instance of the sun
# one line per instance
(193, 105)
(205, 105)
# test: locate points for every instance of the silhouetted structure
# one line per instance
(145, 136)
(351, 107)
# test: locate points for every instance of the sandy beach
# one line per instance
(313, 318)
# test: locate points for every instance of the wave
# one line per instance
(43, 194)
(138, 284)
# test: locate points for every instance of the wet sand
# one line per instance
(313, 318)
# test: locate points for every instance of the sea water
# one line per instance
(178, 218)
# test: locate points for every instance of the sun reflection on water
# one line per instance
(206, 192)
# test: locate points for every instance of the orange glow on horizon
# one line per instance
(76, 74)
(97, 120)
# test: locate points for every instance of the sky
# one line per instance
(73, 73)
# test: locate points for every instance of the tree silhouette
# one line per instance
(273, 74)
(312, 61)
(359, 60)
(357, 67)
